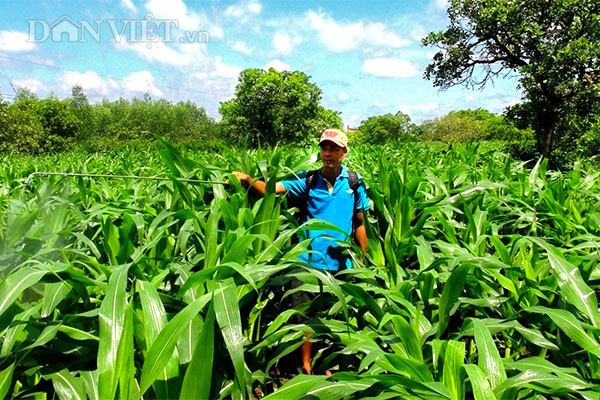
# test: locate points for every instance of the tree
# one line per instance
(272, 107)
(454, 127)
(381, 128)
(463, 125)
(552, 45)
(78, 98)
(327, 119)
(34, 126)
(114, 123)
(24, 94)
(81, 108)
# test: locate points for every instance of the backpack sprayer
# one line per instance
(148, 178)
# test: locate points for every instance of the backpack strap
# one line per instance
(353, 181)
(311, 182)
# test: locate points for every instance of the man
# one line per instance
(332, 199)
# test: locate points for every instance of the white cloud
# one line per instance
(187, 20)
(35, 85)
(389, 67)
(419, 108)
(141, 82)
(184, 55)
(219, 70)
(277, 65)
(15, 41)
(177, 10)
(418, 32)
(284, 43)
(470, 97)
(358, 35)
(96, 86)
(439, 4)
(421, 112)
(255, 8)
(242, 9)
(513, 102)
(242, 47)
(216, 77)
(343, 97)
(93, 84)
(354, 120)
(377, 52)
(380, 104)
(128, 5)
(378, 34)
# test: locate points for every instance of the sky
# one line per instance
(366, 56)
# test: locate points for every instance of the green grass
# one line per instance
(480, 279)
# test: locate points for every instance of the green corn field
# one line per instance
(479, 283)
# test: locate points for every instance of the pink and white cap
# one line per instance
(336, 136)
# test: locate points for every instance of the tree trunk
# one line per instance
(549, 133)
(548, 142)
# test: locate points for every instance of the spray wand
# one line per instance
(148, 178)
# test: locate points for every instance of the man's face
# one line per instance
(332, 154)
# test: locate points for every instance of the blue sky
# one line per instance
(365, 56)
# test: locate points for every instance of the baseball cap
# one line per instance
(336, 136)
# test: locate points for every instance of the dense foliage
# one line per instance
(464, 125)
(479, 281)
(272, 107)
(33, 126)
(553, 45)
(387, 127)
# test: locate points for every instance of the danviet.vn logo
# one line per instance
(147, 30)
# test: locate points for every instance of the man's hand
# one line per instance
(244, 179)
(256, 185)
(360, 233)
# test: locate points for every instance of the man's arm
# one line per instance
(360, 233)
(258, 187)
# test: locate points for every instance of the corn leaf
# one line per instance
(452, 290)
(90, 381)
(161, 350)
(197, 380)
(16, 283)
(67, 387)
(479, 384)
(572, 327)
(453, 374)
(228, 317)
(111, 321)
(54, 293)
(155, 318)
(572, 286)
(6, 380)
(488, 355)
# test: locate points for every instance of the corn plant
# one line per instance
(479, 282)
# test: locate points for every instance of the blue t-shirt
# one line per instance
(337, 208)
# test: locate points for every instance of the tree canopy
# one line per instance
(553, 46)
(32, 125)
(479, 124)
(380, 128)
(272, 107)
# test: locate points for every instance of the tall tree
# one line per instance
(553, 45)
(272, 107)
(24, 94)
(78, 98)
(381, 128)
